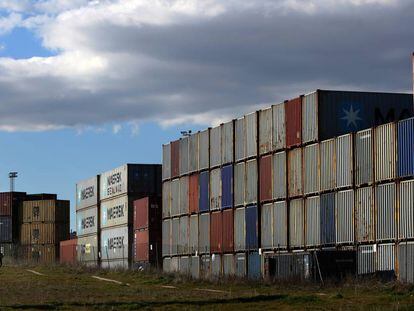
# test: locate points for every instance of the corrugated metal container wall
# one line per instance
(251, 181)
(328, 232)
(205, 265)
(193, 153)
(265, 131)
(6, 229)
(115, 243)
(279, 175)
(227, 142)
(175, 158)
(313, 221)
(215, 189)
(228, 232)
(216, 265)
(184, 156)
(241, 267)
(166, 265)
(116, 212)
(293, 119)
(295, 172)
(175, 197)
(204, 233)
(405, 145)
(195, 267)
(166, 199)
(239, 139)
(46, 211)
(406, 262)
(87, 193)
(344, 161)
(253, 266)
(88, 249)
(11, 202)
(296, 223)
(279, 127)
(227, 186)
(266, 186)
(204, 192)
(267, 226)
(365, 214)
(386, 258)
(239, 183)
(43, 233)
(310, 118)
(184, 237)
(145, 213)
(229, 268)
(311, 169)
(184, 265)
(240, 229)
(175, 235)
(215, 146)
(141, 245)
(252, 227)
(280, 224)
(364, 161)
(385, 152)
(328, 167)
(386, 212)
(366, 259)
(204, 150)
(87, 221)
(216, 232)
(184, 197)
(166, 237)
(174, 265)
(251, 134)
(193, 234)
(166, 161)
(344, 204)
(193, 193)
(406, 212)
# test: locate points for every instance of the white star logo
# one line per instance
(351, 116)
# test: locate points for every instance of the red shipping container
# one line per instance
(9, 202)
(147, 213)
(193, 193)
(216, 232)
(293, 121)
(68, 254)
(175, 158)
(266, 178)
(141, 245)
(228, 231)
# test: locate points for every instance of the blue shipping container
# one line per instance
(405, 144)
(251, 228)
(253, 266)
(6, 233)
(204, 182)
(327, 213)
(227, 186)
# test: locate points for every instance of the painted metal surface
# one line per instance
(295, 182)
(366, 256)
(265, 131)
(166, 237)
(184, 196)
(311, 169)
(227, 142)
(310, 118)
(204, 233)
(193, 243)
(267, 226)
(328, 232)
(166, 265)
(405, 151)
(6, 229)
(193, 148)
(252, 227)
(251, 181)
(87, 193)
(215, 146)
(364, 161)
(204, 191)
(344, 161)
(193, 196)
(147, 214)
(216, 266)
(365, 218)
(386, 218)
(166, 161)
(184, 155)
(204, 149)
(313, 221)
(296, 223)
(279, 175)
(175, 235)
(205, 266)
(406, 210)
(43, 233)
(253, 266)
(195, 267)
(266, 185)
(251, 134)
(88, 251)
(385, 152)
(228, 231)
(293, 120)
(116, 212)
(280, 225)
(10, 202)
(328, 165)
(87, 221)
(184, 265)
(215, 189)
(216, 232)
(166, 199)
(183, 240)
(241, 265)
(239, 139)
(175, 264)
(240, 229)
(229, 267)
(175, 197)
(279, 127)
(141, 246)
(46, 211)
(227, 186)
(344, 205)
(386, 261)
(175, 158)
(239, 183)
(406, 262)
(115, 243)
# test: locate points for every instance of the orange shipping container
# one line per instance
(293, 121)
(216, 232)
(68, 254)
(266, 178)
(46, 211)
(141, 245)
(193, 193)
(175, 159)
(228, 233)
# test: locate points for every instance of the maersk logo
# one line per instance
(351, 116)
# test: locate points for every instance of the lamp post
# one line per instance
(12, 177)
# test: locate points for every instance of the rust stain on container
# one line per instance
(293, 120)
(228, 232)
(175, 158)
(266, 178)
(193, 193)
(216, 232)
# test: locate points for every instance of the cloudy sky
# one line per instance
(88, 85)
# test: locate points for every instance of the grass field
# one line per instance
(50, 288)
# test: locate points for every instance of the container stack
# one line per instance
(292, 177)
(87, 221)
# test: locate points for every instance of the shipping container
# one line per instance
(253, 266)
(310, 118)
(344, 205)
(193, 234)
(87, 250)
(229, 267)
(227, 143)
(175, 235)
(296, 223)
(67, 252)
(280, 225)
(87, 194)
(175, 264)
(366, 259)
(313, 221)
(266, 185)
(184, 265)
(279, 127)
(117, 212)
(205, 267)
(193, 196)
(279, 176)
(327, 208)
(184, 157)
(166, 161)
(216, 266)
(40, 254)
(204, 233)
(43, 233)
(228, 232)
(311, 169)
(265, 131)
(117, 264)
(183, 240)
(267, 226)
(166, 265)
(251, 181)
(240, 229)
(239, 139)
(147, 213)
(227, 186)
(386, 212)
(216, 232)
(115, 244)
(405, 147)
(184, 197)
(195, 267)
(141, 246)
(10, 203)
(215, 189)
(239, 183)
(251, 134)
(295, 187)
(241, 265)
(193, 153)
(289, 266)
(166, 199)
(385, 152)
(175, 197)
(204, 150)
(293, 120)
(344, 161)
(328, 165)
(215, 147)
(166, 237)
(252, 227)
(204, 192)
(365, 218)
(364, 160)
(386, 262)
(406, 211)
(6, 229)
(87, 221)
(406, 262)
(46, 211)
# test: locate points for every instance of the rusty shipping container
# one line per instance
(175, 197)
(147, 247)
(10, 203)
(46, 211)
(147, 214)
(279, 127)
(267, 226)
(266, 178)
(87, 193)
(293, 121)
(193, 231)
(280, 225)
(295, 180)
(68, 252)
(40, 254)
(193, 193)
(228, 231)
(364, 157)
(175, 159)
(265, 131)
(296, 223)
(216, 232)
(43, 233)
(365, 217)
(204, 233)
(240, 229)
(344, 161)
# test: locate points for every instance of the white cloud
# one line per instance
(116, 128)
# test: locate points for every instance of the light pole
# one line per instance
(12, 177)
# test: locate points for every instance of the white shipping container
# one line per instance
(115, 212)
(183, 239)
(229, 268)
(280, 225)
(204, 149)
(239, 139)
(279, 175)
(310, 117)
(166, 237)
(184, 198)
(215, 189)
(166, 161)
(184, 265)
(344, 205)
(193, 153)
(265, 131)
(239, 183)
(385, 152)
(87, 193)
(365, 218)
(328, 167)
(364, 163)
(216, 265)
(115, 244)
(175, 197)
(87, 221)
(166, 199)
(239, 229)
(386, 257)
(344, 161)
(215, 146)
(267, 226)
(279, 127)
(386, 212)
(296, 223)
(313, 221)
(251, 181)
(204, 233)
(166, 265)
(227, 142)
(251, 134)
(87, 249)
(295, 172)
(175, 235)
(193, 234)
(184, 159)
(311, 168)
(406, 212)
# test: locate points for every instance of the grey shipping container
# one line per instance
(406, 262)
(251, 134)
(115, 244)
(239, 183)
(312, 214)
(280, 225)
(87, 221)
(193, 152)
(215, 146)
(239, 229)
(366, 256)
(6, 229)
(344, 161)
(166, 265)
(193, 234)
(227, 142)
(295, 172)
(195, 267)
(204, 149)
(87, 250)
(183, 239)
(267, 226)
(239, 139)
(184, 198)
(175, 197)
(311, 168)
(205, 266)
(364, 161)
(87, 193)
(215, 189)
(251, 181)
(166, 199)
(184, 159)
(240, 265)
(296, 223)
(115, 264)
(166, 237)
(215, 265)
(204, 233)
(328, 165)
(175, 235)
(229, 269)
(310, 118)
(279, 175)
(386, 258)
(265, 131)
(344, 205)
(184, 265)
(166, 161)
(175, 264)
(385, 152)
(386, 212)
(406, 212)
(279, 127)
(365, 218)
(116, 212)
